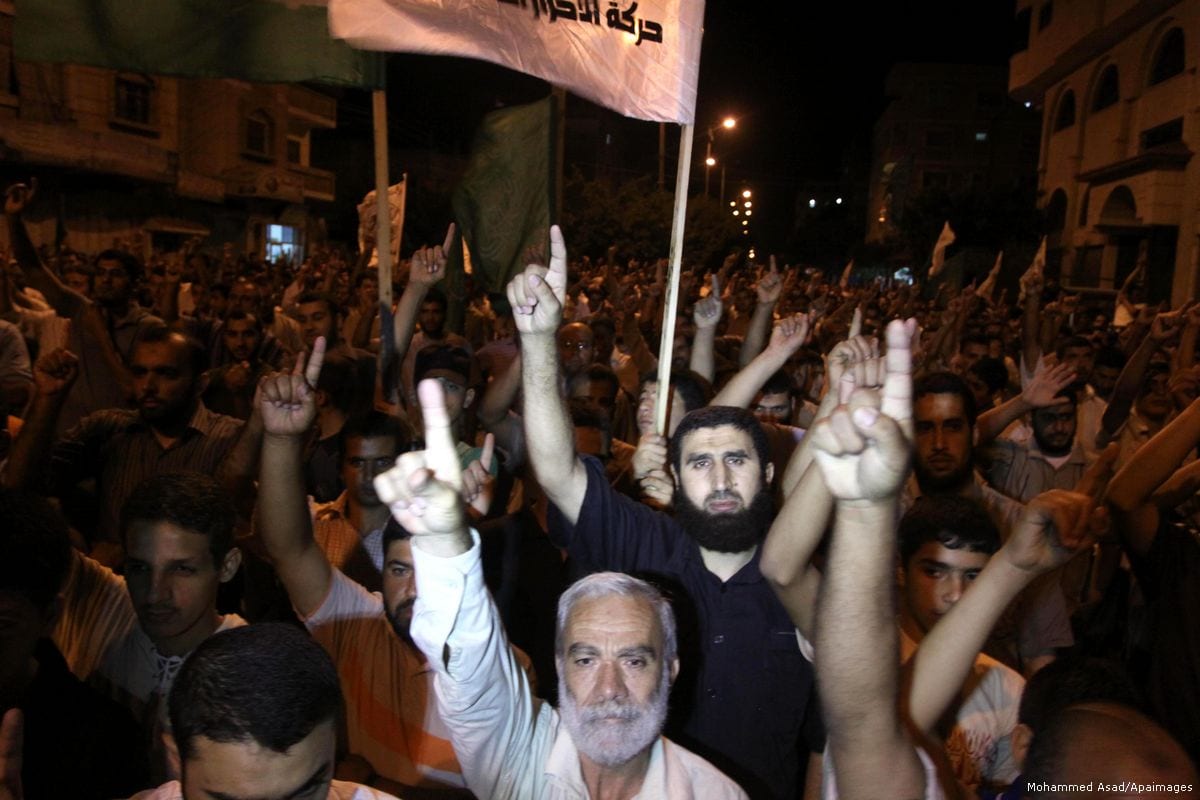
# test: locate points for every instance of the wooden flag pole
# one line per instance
(383, 211)
(666, 347)
(383, 238)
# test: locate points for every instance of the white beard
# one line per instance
(608, 743)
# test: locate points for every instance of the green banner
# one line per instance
(502, 206)
(254, 40)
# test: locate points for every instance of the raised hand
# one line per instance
(55, 372)
(770, 285)
(1056, 525)
(1165, 325)
(478, 484)
(863, 447)
(425, 489)
(538, 294)
(287, 400)
(707, 312)
(854, 364)
(428, 264)
(1044, 388)
(18, 196)
(790, 334)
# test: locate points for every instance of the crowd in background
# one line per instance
(993, 589)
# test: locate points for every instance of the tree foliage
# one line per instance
(635, 217)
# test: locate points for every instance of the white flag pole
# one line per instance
(667, 345)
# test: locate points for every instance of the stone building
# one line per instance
(120, 153)
(1116, 80)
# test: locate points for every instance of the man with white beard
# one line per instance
(615, 645)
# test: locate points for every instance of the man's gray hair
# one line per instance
(605, 584)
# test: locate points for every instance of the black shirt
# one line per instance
(78, 743)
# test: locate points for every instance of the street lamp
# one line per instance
(729, 123)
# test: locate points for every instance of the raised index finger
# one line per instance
(312, 372)
(897, 384)
(440, 453)
(449, 239)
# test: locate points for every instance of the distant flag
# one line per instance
(846, 274)
(254, 40)
(641, 59)
(368, 220)
(944, 240)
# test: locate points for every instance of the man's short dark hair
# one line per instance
(953, 522)
(35, 547)
(715, 417)
(1067, 681)
(445, 357)
(376, 424)
(1072, 341)
(435, 295)
(128, 262)
(317, 297)
(238, 315)
(780, 383)
(189, 500)
(947, 383)
(267, 683)
(393, 531)
(158, 333)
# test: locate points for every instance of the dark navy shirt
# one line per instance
(744, 689)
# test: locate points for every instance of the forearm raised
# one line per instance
(552, 446)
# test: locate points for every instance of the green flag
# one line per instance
(502, 206)
(254, 40)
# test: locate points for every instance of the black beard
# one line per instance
(399, 625)
(733, 532)
(942, 484)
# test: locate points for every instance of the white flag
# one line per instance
(367, 220)
(944, 240)
(638, 57)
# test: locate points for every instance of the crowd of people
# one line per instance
(265, 537)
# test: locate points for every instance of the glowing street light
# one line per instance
(746, 193)
(747, 204)
(710, 161)
(749, 212)
(838, 201)
(812, 202)
(736, 212)
(729, 123)
(732, 203)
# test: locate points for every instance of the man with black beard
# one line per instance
(615, 651)
(1053, 460)
(746, 687)
(392, 725)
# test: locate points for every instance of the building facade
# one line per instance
(124, 154)
(1116, 81)
(946, 127)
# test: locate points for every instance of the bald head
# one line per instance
(1104, 743)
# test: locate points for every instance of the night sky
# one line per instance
(804, 79)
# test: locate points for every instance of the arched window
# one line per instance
(1065, 117)
(1168, 60)
(1108, 89)
(260, 134)
(133, 98)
